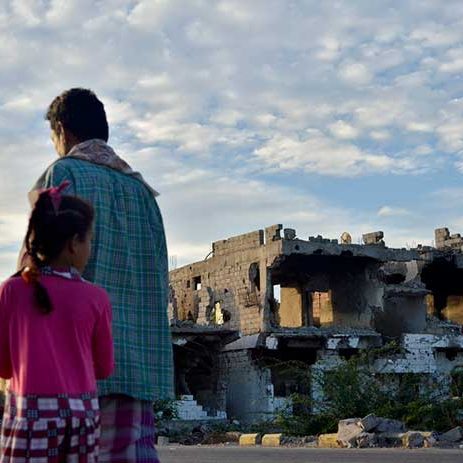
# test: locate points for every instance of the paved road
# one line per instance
(204, 454)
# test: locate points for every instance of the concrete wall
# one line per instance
(250, 392)
(355, 297)
(225, 279)
(402, 314)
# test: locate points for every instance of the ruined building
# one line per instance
(269, 296)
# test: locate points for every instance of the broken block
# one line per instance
(366, 440)
(393, 439)
(289, 233)
(389, 426)
(348, 431)
(369, 422)
(454, 435)
(373, 238)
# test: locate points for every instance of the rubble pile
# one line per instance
(374, 431)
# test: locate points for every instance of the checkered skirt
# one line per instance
(52, 429)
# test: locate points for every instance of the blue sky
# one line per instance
(324, 116)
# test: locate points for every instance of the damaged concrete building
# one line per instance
(268, 297)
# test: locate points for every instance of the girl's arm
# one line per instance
(6, 368)
(103, 348)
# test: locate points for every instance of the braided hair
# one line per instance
(48, 232)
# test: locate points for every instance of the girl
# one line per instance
(55, 340)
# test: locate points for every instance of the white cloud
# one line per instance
(390, 211)
(320, 154)
(355, 73)
(343, 130)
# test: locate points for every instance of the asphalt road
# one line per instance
(205, 454)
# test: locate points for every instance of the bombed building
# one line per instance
(268, 297)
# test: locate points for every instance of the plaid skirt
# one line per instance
(127, 430)
(52, 429)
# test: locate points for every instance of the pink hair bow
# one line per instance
(55, 194)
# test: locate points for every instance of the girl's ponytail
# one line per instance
(31, 275)
(54, 220)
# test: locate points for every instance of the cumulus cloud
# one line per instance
(390, 211)
(343, 130)
(356, 73)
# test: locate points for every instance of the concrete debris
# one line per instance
(348, 431)
(369, 422)
(389, 426)
(366, 440)
(352, 432)
(454, 435)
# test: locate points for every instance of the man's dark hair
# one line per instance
(81, 112)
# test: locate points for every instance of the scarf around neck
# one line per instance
(99, 152)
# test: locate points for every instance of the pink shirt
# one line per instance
(61, 352)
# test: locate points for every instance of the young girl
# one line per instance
(55, 340)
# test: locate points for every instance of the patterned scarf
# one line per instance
(99, 152)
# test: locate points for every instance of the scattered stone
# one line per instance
(369, 422)
(454, 435)
(430, 439)
(366, 440)
(221, 438)
(232, 436)
(299, 441)
(389, 426)
(393, 439)
(197, 436)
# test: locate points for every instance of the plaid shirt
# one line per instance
(129, 260)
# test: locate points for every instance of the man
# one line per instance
(129, 260)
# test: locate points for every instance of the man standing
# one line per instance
(129, 260)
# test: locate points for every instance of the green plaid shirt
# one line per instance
(129, 260)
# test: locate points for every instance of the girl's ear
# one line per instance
(73, 244)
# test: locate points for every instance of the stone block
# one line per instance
(387, 425)
(373, 238)
(348, 431)
(289, 233)
(366, 440)
(454, 435)
(369, 422)
(250, 439)
(393, 439)
(328, 441)
(272, 440)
